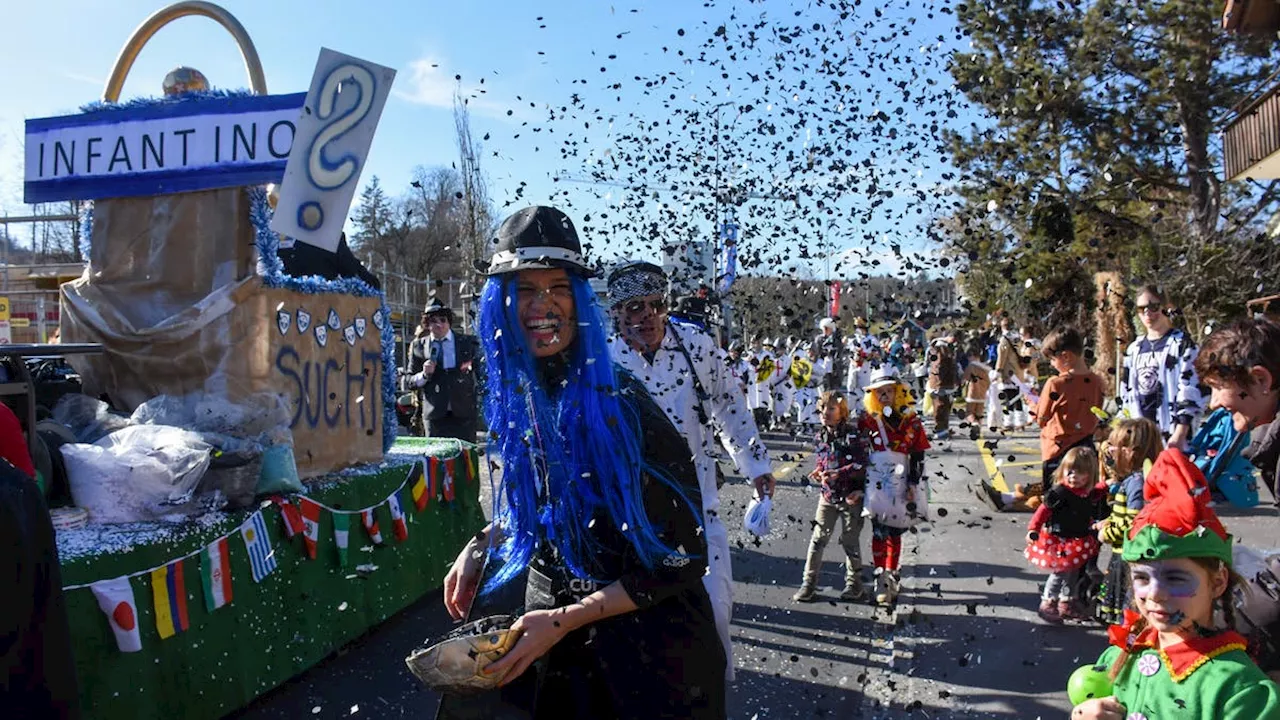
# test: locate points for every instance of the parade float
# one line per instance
(243, 507)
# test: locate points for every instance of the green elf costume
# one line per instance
(1202, 678)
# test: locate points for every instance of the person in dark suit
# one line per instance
(443, 373)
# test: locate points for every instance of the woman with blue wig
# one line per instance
(598, 501)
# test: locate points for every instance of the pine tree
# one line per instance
(372, 216)
(1098, 152)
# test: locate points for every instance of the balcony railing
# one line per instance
(1253, 134)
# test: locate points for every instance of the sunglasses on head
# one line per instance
(635, 307)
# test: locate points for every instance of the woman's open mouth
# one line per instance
(543, 331)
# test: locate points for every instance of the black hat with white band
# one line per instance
(631, 279)
(537, 238)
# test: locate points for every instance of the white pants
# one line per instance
(719, 584)
(807, 406)
(783, 394)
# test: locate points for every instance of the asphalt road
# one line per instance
(963, 641)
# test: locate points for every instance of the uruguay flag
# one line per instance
(262, 559)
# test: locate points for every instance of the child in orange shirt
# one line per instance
(1065, 413)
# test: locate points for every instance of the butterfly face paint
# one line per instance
(1175, 596)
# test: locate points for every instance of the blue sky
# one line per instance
(533, 59)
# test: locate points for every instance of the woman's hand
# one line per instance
(1107, 708)
(539, 631)
(463, 579)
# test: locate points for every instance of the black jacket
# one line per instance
(37, 675)
(452, 390)
(665, 659)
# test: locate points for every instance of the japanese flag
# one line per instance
(115, 597)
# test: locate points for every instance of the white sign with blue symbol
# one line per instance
(335, 131)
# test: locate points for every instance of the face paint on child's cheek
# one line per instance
(1148, 580)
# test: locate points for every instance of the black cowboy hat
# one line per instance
(537, 238)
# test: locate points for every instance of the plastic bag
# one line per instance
(756, 520)
(279, 472)
(136, 474)
(260, 416)
(89, 419)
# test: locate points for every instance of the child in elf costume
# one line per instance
(1170, 659)
(896, 497)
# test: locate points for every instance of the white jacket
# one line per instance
(669, 382)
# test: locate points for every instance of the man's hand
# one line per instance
(853, 498)
(765, 485)
(429, 369)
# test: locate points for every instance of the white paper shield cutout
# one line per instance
(304, 321)
(349, 334)
(283, 319)
(335, 322)
(377, 319)
(360, 326)
(322, 334)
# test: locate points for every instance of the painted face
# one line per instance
(546, 310)
(1076, 479)
(1247, 406)
(884, 395)
(1176, 595)
(643, 321)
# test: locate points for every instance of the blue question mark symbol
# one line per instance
(324, 173)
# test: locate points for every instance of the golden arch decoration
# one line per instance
(152, 25)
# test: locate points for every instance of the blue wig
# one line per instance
(580, 441)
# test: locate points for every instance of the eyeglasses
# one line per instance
(635, 307)
(1150, 310)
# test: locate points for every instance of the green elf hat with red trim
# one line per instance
(1176, 521)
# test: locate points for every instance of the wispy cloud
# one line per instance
(86, 79)
(426, 83)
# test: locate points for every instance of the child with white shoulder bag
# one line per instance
(897, 493)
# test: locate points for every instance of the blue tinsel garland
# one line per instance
(271, 268)
(142, 102)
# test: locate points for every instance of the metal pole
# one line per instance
(40, 320)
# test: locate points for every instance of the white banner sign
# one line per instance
(335, 131)
(166, 147)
